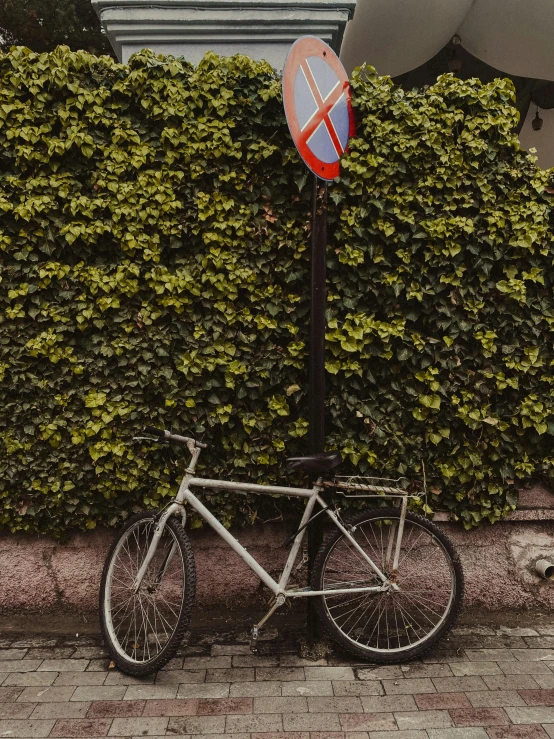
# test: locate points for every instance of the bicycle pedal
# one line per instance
(254, 634)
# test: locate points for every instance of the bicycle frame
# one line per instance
(185, 495)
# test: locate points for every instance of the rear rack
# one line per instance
(357, 486)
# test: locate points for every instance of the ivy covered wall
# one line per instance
(154, 269)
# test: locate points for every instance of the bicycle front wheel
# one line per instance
(398, 624)
(143, 630)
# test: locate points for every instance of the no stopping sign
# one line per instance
(316, 96)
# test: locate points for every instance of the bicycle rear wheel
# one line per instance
(143, 630)
(396, 625)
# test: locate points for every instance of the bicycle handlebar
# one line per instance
(173, 438)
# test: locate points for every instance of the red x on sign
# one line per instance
(316, 96)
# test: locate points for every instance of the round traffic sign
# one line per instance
(316, 96)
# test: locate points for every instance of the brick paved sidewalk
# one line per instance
(482, 683)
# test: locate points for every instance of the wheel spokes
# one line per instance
(142, 623)
(392, 619)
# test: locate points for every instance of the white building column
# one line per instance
(261, 29)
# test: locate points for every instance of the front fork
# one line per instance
(171, 510)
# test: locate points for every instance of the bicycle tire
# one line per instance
(116, 647)
(351, 642)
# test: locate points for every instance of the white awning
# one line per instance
(395, 36)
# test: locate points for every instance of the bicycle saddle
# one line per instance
(317, 463)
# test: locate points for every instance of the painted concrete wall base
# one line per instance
(39, 575)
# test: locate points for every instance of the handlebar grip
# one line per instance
(154, 431)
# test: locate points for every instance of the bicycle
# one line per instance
(388, 583)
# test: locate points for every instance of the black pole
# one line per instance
(317, 365)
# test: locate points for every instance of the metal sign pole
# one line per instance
(317, 366)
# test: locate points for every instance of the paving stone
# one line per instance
(329, 673)
(293, 660)
(89, 653)
(251, 690)
(16, 710)
(423, 719)
(524, 668)
(176, 663)
(418, 670)
(22, 665)
(26, 729)
(438, 701)
(114, 677)
(60, 710)
(473, 629)
(479, 717)
(286, 735)
(533, 731)
(540, 642)
(63, 665)
(383, 672)
(352, 687)
(282, 673)
(544, 630)
(473, 732)
(503, 642)
(34, 641)
(463, 669)
(307, 687)
(313, 722)
(220, 650)
(196, 725)
(517, 631)
(101, 693)
(223, 706)
(365, 721)
(257, 722)
(274, 704)
(205, 690)
(80, 727)
(409, 686)
(207, 663)
(388, 703)
(28, 679)
(538, 697)
(490, 655)
(531, 715)
(444, 656)
(252, 660)
(510, 682)
(138, 726)
(99, 665)
(176, 677)
(175, 707)
(232, 675)
(533, 655)
(495, 698)
(7, 695)
(460, 684)
(138, 692)
(11, 654)
(117, 709)
(47, 653)
(409, 734)
(546, 682)
(347, 704)
(43, 695)
(79, 678)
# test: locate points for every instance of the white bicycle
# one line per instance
(388, 583)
